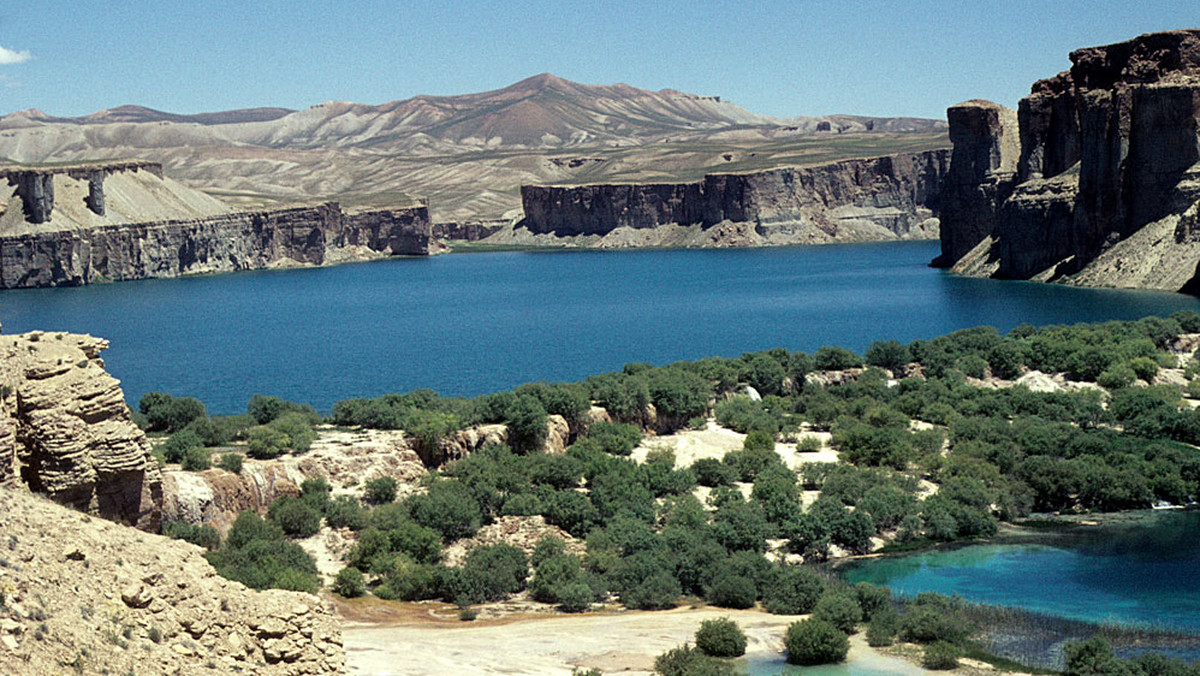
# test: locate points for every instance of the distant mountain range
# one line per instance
(364, 153)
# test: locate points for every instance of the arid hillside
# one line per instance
(468, 154)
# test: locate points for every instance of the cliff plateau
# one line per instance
(1097, 183)
(65, 226)
(891, 197)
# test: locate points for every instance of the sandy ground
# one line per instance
(625, 642)
(715, 441)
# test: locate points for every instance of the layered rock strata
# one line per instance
(224, 243)
(879, 198)
(64, 226)
(1101, 188)
(66, 432)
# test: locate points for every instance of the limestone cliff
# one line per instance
(65, 430)
(853, 200)
(1103, 185)
(344, 458)
(64, 227)
(85, 596)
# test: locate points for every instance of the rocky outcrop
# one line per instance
(981, 173)
(66, 432)
(1106, 178)
(35, 187)
(879, 198)
(224, 243)
(82, 595)
(468, 231)
(344, 458)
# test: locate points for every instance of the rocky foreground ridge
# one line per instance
(62, 226)
(891, 197)
(66, 432)
(83, 595)
(1094, 180)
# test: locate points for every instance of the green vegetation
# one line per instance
(993, 455)
(721, 637)
(814, 641)
(688, 661)
(258, 554)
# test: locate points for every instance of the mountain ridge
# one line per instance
(468, 153)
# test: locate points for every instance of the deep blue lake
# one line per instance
(475, 323)
(1146, 573)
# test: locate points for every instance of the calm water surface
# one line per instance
(470, 324)
(1143, 573)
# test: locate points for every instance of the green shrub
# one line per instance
(230, 462)
(265, 409)
(490, 573)
(688, 661)
(380, 490)
(615, 438)
(448, 508)
(926, 625)
(295, 517)
(264, 443)
(1145, 368)
(196, 459)
(657, 592)
(940, 656)
(733, 591)
(888, 354)
(257, 554)
(177, 445)
(872, 598)
(345, 512)
(315, 493)
(883, 627)
(839, 608)
(349, 583)
(575, 597)
(835, 359)
(213, 432)
(171, 414)
(200, 535)
(712, 472)
(792, 590)
(809, 445)
(298, 428)
(721, 637)
(1116, 377)
(813, 641)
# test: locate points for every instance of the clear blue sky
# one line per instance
(780, 58)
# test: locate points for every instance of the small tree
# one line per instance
(297, 518)
(721, 637)
(815, 641)
(231, 462)
(792, 590)
(840, 609)
(380, 490)
(940, 656)
(349, 583)
(733, 591)
(196, 459)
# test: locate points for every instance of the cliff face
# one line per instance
(1105, 173)
(65, 430)
(879, 198)
(86, 235)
